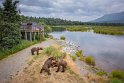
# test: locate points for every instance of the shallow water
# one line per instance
(108, 50)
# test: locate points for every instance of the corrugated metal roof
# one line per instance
(31, 26)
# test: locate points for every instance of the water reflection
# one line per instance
(107, 50)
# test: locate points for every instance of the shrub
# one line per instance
(50, 36)
(115, 80)
(101, 73)
(82, 58)
(62, 38)
(73, 57)
(90, 60)
(56, 54)
(117, 74)
(79, 53)
(49, 50)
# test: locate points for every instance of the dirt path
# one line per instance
(14, 63)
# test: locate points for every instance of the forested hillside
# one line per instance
(111, 18)
(58, 21)
(50, 21)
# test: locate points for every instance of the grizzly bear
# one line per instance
(60, 64)
(36, 49)
(47, 64)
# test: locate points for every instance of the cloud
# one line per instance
(82, 10)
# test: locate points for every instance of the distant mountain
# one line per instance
(111, 18)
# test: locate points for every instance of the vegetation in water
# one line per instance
(62, 38)
(90, 60)
(77, 28)
(58, 28)
(111, 30)
(117, 74)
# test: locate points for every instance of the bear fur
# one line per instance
(47, 64)
(35, 49)
(60, 64)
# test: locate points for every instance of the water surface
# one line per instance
(108, 50)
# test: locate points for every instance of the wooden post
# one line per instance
(25, 35)
(34, 35)
(30, 36)
(40, 35)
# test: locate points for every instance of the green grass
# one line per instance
(79, 53)
(115, 80)
(58, 28)
(49, 50)
(23, 44)
(77, 28)
(56, 54)
(90, 60)
(111, 30)
(53, 52)
(117, 74)
(74, 57)
(101, 73)
(62, 38)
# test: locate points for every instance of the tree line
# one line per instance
(62, 22)
(49, 21)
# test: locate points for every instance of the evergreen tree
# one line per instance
(10, 27)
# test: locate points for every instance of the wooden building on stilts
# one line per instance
(32, 31)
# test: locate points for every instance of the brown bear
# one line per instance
(60, 63)
(47, 64)
(35, 49)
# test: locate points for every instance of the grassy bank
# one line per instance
(22, 45)
(58, 28)
(70, 28)
(111, 30)
(77, 28)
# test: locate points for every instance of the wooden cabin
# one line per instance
(31, 31)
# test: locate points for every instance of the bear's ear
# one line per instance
(41, 48)
(52, 58)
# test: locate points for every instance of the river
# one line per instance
(108, 50)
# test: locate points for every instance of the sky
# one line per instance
(76, 10)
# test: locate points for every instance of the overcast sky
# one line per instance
(81, 10)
